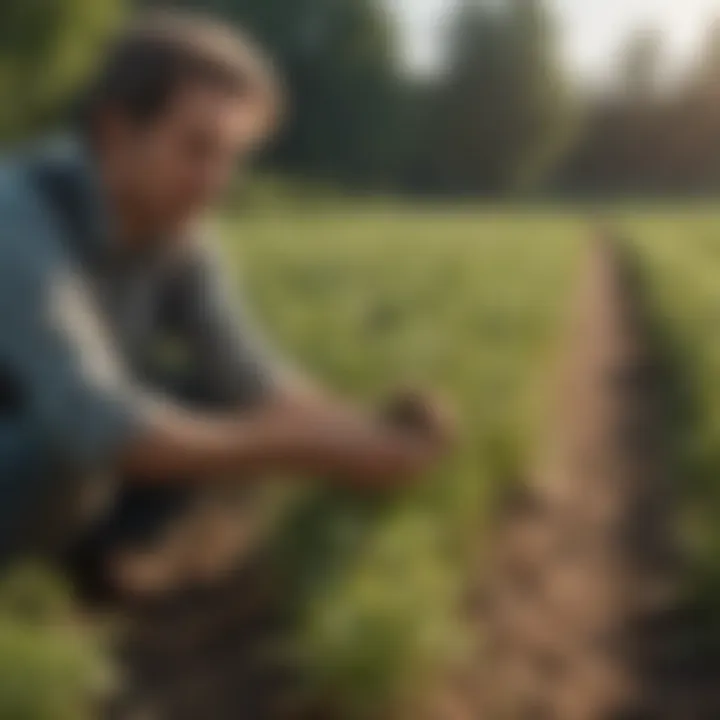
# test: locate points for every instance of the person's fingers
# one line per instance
(424, 413)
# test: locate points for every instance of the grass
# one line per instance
(465, 301)
(679, 251)
(50, 668)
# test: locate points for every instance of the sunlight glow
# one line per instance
(592, 30)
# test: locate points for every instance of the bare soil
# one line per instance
(581, 615)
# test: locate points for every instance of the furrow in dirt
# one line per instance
(581, 614)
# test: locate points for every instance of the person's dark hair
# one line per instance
(162, 52)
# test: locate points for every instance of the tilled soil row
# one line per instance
(581, 615)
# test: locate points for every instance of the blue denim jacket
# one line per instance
(86, 335)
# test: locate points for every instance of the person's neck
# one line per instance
(133, 229)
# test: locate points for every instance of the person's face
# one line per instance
(177, 165)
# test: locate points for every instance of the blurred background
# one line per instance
(448, 99)
(420, 219)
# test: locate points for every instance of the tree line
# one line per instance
(502, 116)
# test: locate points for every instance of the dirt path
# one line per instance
(580, 614)
(581, 618)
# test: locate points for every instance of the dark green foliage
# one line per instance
(338, 59)
(46, 48)
(503, 112)
(50, 668)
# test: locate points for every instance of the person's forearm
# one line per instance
(269, 441)
(187, 446)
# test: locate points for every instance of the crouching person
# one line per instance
(128, 378)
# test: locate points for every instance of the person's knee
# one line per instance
(67, 510)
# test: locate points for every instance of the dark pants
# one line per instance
(44, 507)
(46, 510)
(136, 522)
(139, 516)
(86, 521)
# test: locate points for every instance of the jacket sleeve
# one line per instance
(233, 362)
(54, 343)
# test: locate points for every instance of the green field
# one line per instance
(470, 302)
(679, 254)
(366, 300)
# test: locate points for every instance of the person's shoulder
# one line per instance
(19, 168)
(19, 190)
(16, 192)
(27, 227)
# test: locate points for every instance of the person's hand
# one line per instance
(423, 416)
(419, 430)
(390, 450)
(412, 434)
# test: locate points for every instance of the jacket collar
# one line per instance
(68, 177)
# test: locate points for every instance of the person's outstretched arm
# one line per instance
(295, 425)
(92, 416)
(325, 441)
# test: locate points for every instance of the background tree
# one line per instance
(340, 61)
(469, 146)
(542, 114)
(699, 133)
(46, 48)
(641, 65)
(503, 108)
(706, 72)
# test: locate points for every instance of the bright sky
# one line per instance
(592, 29)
